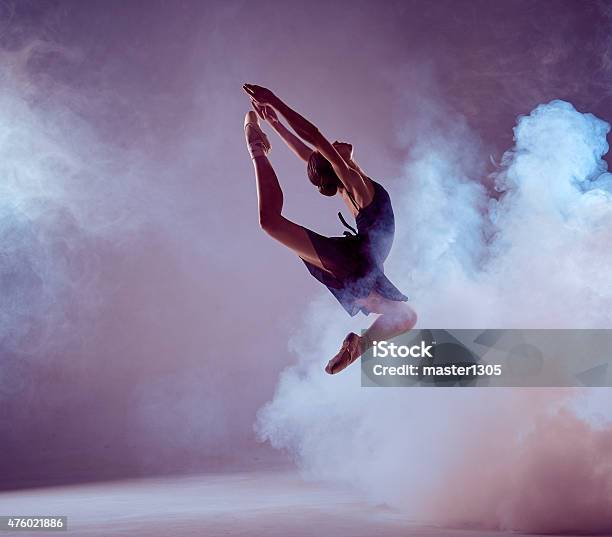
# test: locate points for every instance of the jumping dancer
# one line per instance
(350, 266)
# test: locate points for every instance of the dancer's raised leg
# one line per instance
(270, 196)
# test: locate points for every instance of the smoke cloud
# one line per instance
(64, 193)
(535, 256)
(98, 299)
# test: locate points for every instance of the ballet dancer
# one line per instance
(351, 266)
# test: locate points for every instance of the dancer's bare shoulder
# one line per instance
(362, 190)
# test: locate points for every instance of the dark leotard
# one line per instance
(354, 262)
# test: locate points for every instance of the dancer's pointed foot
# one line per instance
(350, 351)
(257, 142)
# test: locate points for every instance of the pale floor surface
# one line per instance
(270, 504)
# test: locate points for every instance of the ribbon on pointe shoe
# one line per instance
(257, 142)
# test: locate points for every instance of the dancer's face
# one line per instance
(345, 150)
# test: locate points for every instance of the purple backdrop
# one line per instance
(145, 316)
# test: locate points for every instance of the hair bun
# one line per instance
(328, 189)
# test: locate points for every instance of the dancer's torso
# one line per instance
(376, 225)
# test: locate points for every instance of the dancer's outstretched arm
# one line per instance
(351, 179)
(296, 145)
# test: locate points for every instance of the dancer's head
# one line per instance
(322, 174)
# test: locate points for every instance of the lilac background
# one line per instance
(171, 325)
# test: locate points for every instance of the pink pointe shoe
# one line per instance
(257, 142)
(346, 356)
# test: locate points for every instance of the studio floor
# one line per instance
(268, 503)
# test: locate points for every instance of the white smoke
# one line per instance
(549, 258)
(537, 257)
(68, 197)
(45, 236)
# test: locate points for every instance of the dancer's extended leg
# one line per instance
(270, 196)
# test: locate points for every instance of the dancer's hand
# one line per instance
(265, 112)
(259, 94)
